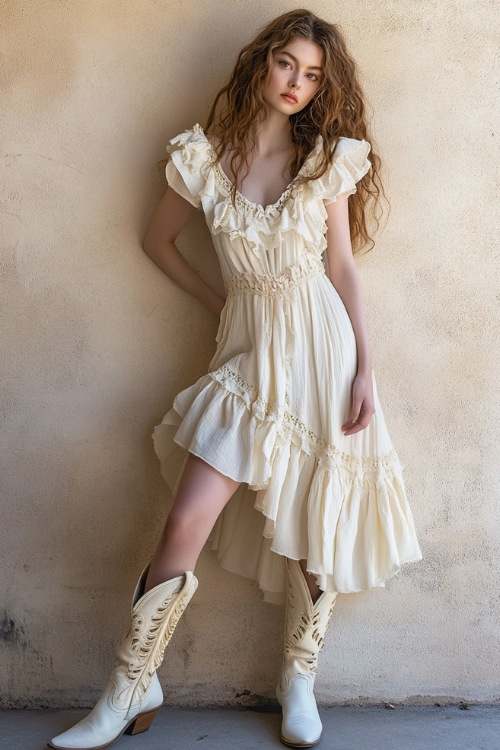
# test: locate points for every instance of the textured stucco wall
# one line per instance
(97, 340)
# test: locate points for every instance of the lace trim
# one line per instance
(247, 205)
(289, 424)
(273, 286)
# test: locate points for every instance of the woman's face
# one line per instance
(294, 76)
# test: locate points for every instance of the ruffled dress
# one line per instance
(269, 411)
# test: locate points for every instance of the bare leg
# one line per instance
(311, 582)
(202, 494)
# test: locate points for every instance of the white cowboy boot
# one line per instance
(133, 693)
(305, 626)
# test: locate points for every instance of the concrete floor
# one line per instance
(345, 728)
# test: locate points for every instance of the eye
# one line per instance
(314, 76)
(284, 62)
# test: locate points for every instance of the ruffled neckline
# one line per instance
(223, 178)
(299, 209)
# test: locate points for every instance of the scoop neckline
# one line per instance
(229, 183)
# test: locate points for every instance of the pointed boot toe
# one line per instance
(301, 725)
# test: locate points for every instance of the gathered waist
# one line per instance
(270, 285)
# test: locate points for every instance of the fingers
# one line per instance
(357, 403)
(365, 413)
(362, 408)
(352, 425)
(356, 428)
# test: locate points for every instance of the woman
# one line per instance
(281, 448)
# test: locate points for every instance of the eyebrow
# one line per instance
(311, 67)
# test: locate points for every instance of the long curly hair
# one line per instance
(337, 109)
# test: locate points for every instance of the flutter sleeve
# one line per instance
(349, 165)
(187, 166)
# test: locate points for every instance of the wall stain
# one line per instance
(186, 653)
(11, 632)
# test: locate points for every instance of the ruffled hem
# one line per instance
(348, 517)
(195, 173)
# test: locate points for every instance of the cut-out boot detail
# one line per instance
(133, 693)
(305, 627)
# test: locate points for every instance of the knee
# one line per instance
(180, 528)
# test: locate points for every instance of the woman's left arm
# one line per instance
(344, 276)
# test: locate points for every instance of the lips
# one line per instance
(290, 98)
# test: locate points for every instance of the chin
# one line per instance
(287, 109)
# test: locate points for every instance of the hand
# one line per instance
(362, 408)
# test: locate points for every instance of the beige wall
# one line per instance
(97, 341)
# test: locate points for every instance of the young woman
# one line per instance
(281, 449)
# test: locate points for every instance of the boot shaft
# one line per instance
(133, 692)
(306, 623)
(154, 618)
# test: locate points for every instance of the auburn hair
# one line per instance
(337, 109)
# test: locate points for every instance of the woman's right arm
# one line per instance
(171, 216)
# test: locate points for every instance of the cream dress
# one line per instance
(269, 411)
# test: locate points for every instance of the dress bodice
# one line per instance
(250, 238)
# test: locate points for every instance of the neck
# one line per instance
(273, 134)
